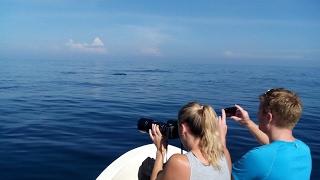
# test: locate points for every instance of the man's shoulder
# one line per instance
(260, 160)
(296, 146)
(302, 145)
(253, 164)
(257, 156)
(263, 150)
(260, 156)
(265, 154)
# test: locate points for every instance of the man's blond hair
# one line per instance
(284, 104)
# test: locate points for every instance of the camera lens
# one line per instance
(144, 124)
(172, 126)
(169, 129)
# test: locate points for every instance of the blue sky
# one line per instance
(254, 30)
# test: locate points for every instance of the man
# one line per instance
(281, 156)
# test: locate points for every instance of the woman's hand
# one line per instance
(161, 144)
(223, 128)
(157, 138)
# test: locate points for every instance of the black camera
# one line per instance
(168, 129)
(231, 111)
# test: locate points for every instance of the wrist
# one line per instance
(160, 154)
(223, 142)
(249, 124)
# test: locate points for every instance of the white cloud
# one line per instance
(259, 55)
(97, 46)
(153, 51)
(146, 40)
(228, 53)
(97, 42)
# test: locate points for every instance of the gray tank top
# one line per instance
(200, 171)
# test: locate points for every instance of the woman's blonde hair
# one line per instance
(203, 123)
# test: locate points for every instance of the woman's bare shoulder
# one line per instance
(180, 160)
(177, 167)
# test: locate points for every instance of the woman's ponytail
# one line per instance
(203, 123)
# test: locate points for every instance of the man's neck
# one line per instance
(281, 134)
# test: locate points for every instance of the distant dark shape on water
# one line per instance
(68, 72)
(119, 74)
(150, 71)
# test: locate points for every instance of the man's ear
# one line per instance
(269, 118)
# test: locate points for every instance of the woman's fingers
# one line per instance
(151, 134)
(156, 137)
(223, 118)
(157, 130)
(152, 131)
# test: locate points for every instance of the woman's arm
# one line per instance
(177, 166)
(159, 141)
(158, 165)
(223, 133)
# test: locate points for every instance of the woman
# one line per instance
(202, 133)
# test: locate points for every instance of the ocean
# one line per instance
(69, 119)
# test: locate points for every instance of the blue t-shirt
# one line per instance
(277, 160)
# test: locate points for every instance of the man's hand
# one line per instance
(242, 116)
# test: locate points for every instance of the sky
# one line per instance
(254, 30)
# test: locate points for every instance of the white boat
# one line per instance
(126, 167)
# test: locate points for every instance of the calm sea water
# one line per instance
(70, 119)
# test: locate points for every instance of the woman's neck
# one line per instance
(194, 147)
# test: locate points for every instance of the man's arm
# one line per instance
(243, 118)
(257, 133)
